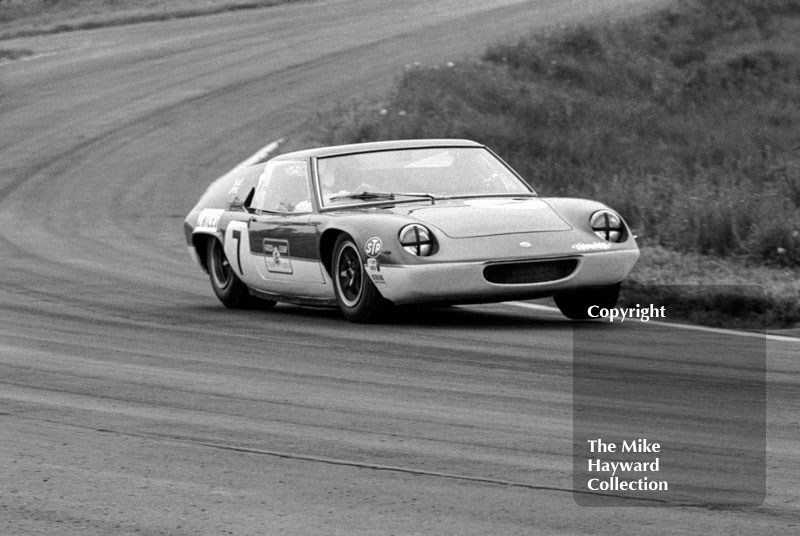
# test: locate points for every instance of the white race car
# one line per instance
(369, 225)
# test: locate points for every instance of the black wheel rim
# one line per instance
(220, 267)
(349, 275)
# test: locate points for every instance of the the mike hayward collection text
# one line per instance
(609, 481)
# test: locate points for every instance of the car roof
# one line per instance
(376, 146)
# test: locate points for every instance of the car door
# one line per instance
(281, 242)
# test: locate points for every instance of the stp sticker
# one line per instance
(373, 246)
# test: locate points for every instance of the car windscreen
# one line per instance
(437, 172)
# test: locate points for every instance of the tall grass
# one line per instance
(686, 120)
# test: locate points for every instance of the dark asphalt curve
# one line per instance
(131, 402)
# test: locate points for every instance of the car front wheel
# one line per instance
(575, 304)
(356, 295)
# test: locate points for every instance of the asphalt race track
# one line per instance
(132, 402)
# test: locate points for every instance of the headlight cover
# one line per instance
(608, 225)
(416, 239)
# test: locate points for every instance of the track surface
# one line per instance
(131, 402)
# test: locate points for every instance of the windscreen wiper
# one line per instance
(364, 196)
(367, 196)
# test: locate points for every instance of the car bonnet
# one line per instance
(465, 218)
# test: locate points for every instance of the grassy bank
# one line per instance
(33, 17)
(685, 120)
(713, 291)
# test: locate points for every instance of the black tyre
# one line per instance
(356, 295)
(226, 284)
(575, 305)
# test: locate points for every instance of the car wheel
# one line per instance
(226, 284)
(575, 305)
(356, 295)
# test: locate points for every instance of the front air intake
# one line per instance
(521, 273)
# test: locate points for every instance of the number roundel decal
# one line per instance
(373, 246)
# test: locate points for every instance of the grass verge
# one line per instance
(685, 120)
(715, 292)
(14, 53)
(22, 18)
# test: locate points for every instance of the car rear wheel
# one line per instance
(575, 305)
(226, 284)
(356, 295)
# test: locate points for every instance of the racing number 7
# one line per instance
(237, 235)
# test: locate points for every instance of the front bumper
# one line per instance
(464, 282)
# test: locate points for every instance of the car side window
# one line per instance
(283, 187)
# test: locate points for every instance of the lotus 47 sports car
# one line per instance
(362, 227)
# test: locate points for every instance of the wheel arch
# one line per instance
(326, 243)
(200, 244)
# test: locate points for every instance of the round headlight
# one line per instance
(608, 225)
(416, 239)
